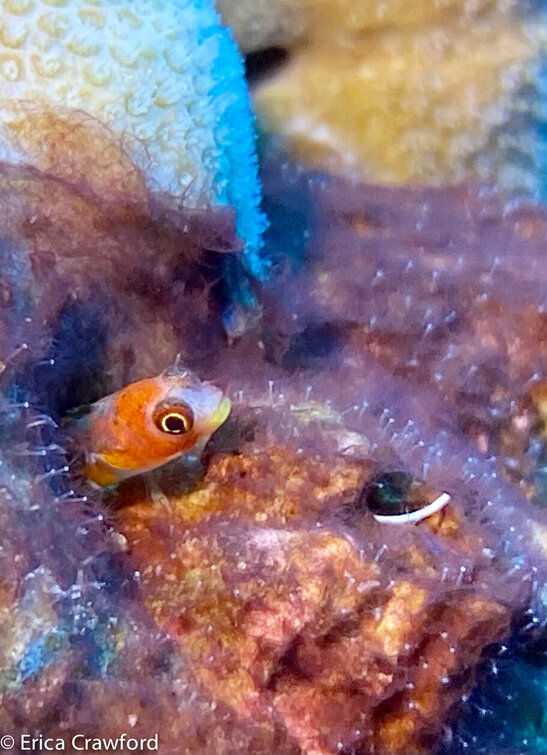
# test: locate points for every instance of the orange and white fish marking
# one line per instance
(147, 424)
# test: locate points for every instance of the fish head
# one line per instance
(149, 423)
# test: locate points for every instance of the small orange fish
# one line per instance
(147, 424)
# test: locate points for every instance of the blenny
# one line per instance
(147, 424)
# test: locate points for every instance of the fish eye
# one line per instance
(395, 497)
(174, 419)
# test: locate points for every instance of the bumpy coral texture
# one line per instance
(297, 610)
(377, 90)
(164, 78)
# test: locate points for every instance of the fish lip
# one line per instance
(220, 415)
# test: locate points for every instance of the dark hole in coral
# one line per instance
(530, 637)
(72, 372)
(230, 437)
(389, 704)
(313, 347)
(288, 665)
(112, 572)
(264, 62)
(162, 662)
(72, 693)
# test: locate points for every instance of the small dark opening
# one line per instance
(264, 62)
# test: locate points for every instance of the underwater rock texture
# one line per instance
(429, 284)
(377, 90)
(292, 605)
(252, 603)
(78, 652)
(301, 613)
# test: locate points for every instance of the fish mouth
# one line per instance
(221, 413)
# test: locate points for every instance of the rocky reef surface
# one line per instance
(249, 601)
(255, 605)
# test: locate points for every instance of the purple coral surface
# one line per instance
(403, 329)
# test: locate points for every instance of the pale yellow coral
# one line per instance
(264, 23)
(392, 91)
(399, 106)
(261, 23)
